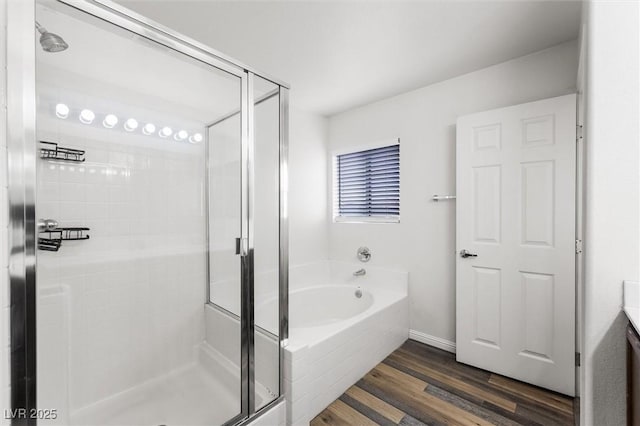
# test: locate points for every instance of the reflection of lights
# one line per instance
(62, 111)
(181, 135)
(196, 138)
(165, 132)
(131, 124)
(109, 121)
(87, 116)
(149, 129)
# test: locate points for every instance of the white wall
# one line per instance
(423, 243)
(612, 228)
(308, 227)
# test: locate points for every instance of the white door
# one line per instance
(515, 210)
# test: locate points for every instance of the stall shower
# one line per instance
(155, 213)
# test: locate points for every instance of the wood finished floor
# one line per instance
(418, 384)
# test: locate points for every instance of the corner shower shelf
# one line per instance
(55, 152)
(52, 240)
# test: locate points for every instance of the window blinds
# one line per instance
(368, 183)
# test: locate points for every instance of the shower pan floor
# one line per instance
(191, 396)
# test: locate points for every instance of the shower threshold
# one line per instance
(189, 396)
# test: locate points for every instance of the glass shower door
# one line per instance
(125, 334)
(266, 239)
(259, 250)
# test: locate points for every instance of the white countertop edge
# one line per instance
(632, 302)
(634, 317)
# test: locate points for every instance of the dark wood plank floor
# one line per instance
(419, 384)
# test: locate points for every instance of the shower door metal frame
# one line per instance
(21, 155)
(21, 179)
(283, 234)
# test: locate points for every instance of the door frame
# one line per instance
(579, 234)
(22, 160)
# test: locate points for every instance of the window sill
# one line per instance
(365, 219)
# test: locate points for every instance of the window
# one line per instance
(367, 185)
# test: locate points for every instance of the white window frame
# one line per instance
(334, 187)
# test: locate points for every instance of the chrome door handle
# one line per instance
(45, 225)
(464, 253)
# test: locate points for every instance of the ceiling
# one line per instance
(338, 55)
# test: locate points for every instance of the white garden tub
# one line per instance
(336, 337)
(316, 306)
(320, 306)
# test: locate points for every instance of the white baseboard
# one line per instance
(437, 342)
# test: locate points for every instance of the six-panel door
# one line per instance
(516, 211)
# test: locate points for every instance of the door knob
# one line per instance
(464, 253)
(45, 225)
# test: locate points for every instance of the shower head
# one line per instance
(50, 42)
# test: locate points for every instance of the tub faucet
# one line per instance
(359, 272)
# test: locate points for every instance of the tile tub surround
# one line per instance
(322, 362)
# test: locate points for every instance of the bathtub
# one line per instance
(336, 337)
(316, 306)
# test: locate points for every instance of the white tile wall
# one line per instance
(125, 306)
